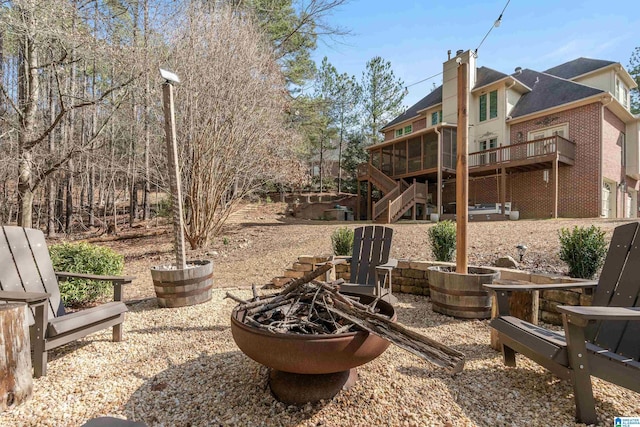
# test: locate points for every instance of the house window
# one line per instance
(543, 141)
(621, 93)
(487, 145)
(398, 132)
(436, 117)
(408, 129)
(493, 106)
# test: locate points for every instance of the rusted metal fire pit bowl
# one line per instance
(308, 368)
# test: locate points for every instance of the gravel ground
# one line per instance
(180, 367)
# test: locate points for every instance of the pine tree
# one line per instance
(383, 94)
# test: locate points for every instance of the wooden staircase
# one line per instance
(399, 196)
(394, 204)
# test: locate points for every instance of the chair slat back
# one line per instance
(621, 337)
(9, 277)
(29, 266)
(371, 247)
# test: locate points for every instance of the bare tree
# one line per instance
(46, 52)
(231, 120)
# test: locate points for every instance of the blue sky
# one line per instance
(415, 35)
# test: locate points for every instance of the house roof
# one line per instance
(548, 91)
(434, 98)
(485, 76)
(578, 67)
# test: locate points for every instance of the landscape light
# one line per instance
(169, 76)
(521, 250)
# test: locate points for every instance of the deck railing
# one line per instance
(524, 150)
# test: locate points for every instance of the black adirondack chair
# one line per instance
(602, 340)
(26, 275)
(370, 264)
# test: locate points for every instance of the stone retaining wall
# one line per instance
(410, 277)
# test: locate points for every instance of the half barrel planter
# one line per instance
(183, 287)
(461, 295)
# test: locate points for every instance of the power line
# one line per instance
(495, 24)
(423, 80)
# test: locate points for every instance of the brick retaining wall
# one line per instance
(411, 277)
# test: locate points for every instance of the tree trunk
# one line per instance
(28, 94)
(51, 185)
(147, 103)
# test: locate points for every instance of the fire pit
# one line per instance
(309, 367)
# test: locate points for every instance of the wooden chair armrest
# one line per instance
(600, 313)
(335, 261)
(389, 265)
(121, 280)
(28, 297)
(514, 285)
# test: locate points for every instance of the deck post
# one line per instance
(439, 183)
(358, 200)
(368, 200)
(462, 169)
(554, 187)
(503, 189)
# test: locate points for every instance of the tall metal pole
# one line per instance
(174, 173)
(462, 169)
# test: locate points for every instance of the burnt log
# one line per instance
(413, 342)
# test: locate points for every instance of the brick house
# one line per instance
(558, 143)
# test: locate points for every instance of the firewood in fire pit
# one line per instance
(307, 306)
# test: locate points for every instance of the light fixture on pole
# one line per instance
(174, 172)
(521, 250)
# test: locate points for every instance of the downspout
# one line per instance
(439, 183)
(601, 165)
(507, 131)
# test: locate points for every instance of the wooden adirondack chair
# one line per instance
(602, 340)
(26, 275)
(370, 264)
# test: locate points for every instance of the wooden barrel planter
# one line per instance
(183, 287)
(461, 295)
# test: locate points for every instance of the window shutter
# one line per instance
(493, 104)
(483, 107)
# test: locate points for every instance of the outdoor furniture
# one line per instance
(370, 264)
(602, 340)
(26, 275)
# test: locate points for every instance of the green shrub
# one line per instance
(85, 258)
(165, 208)
(583, 249)
(442, 238)
(342, 241)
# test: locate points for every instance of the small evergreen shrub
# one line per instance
(442, 238)
(583, 249)
(85, 258)
(165, 208)
(342, 241)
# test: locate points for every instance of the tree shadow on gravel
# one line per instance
(497, 395)
(507, 396)
(212, 390)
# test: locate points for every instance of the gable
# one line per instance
(548, 91)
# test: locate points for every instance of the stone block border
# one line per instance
(410, 277)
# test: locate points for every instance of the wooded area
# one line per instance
(81, 115)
